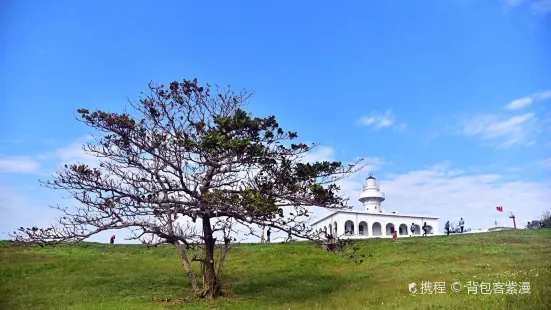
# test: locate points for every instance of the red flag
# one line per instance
(499, 209)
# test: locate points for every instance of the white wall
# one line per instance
(370, 219)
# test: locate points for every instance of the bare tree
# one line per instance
(187, 167)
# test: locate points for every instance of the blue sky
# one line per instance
(447, 100)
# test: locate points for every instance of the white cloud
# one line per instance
(507, 131)
(378, 121)
(74, 153)
(70, 154)
(319, 153)
(451, 197)
(526, 101)
(20, 209)
(18, 165)
(519, 103)
(543, 95)
(516, 130)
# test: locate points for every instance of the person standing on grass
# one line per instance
(394, 235)
(447, 228)
(112, 240)
(268, 233)
(425, 229)
(461, 224)
(412, 228)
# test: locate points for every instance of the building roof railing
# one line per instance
(367, 186)
(315, 221)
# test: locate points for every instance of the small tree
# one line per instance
(182, 156)
(546, 219)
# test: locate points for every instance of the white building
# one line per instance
(374, 222)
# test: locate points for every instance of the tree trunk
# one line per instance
(211, 284)
(187, 268)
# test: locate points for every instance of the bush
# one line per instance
(455, 229)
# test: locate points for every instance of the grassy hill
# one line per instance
(284, 276)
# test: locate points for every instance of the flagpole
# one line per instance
(514, 222)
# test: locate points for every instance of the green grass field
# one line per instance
(284, 276)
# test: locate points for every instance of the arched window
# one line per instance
(349, 228)
(362, 228)
(376, 229)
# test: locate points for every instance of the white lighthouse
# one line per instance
(372, 222)
(371, 196)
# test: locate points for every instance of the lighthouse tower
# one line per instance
(371, 196)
